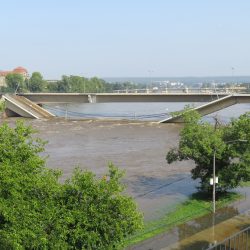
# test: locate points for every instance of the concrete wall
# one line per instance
(2, 81)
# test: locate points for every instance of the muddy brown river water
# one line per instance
(140, 149)
(137, 147)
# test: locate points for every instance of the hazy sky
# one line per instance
(126, 37)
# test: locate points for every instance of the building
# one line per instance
(19, 70)
(2, 81)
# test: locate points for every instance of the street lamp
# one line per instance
(16, 88)
(214, 180)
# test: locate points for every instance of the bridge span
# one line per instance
(45, 98)
(214, 101)
(213, 106)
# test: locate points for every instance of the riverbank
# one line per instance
(197, 206)
(178, 236)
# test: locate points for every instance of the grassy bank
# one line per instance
(195, 207)
(245, 184)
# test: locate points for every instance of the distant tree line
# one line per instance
(67, 84)
(70, 84)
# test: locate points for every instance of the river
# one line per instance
(139, 147)
(135, 111)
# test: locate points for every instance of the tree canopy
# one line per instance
(15, 82)
(78, 84)
(37, 211)
(200, 140)
(36, 82)
(67, 84)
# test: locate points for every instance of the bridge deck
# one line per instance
(213, 106)
(24, 107)
(215, 101)
(121, 97)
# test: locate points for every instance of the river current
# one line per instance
(138, 147)
(136, 111)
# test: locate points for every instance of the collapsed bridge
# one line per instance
(28, 104)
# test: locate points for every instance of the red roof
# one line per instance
(20, 70)
(5, 73)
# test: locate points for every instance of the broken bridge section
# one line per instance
(21, 106)
(213, 106)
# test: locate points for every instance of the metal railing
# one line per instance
(184, 90)
(238, 241)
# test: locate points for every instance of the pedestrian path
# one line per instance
(214, 234)
(200, 233)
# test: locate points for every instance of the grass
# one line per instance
(2, 105)
(245, 184)
(197, 206)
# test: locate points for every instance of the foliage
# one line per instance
(2, 105)
(199, 141)
(39, 212)
(15, 82)
(36, 82)
(88, 85)
(67, 84)
(78, 84)
(187, 108)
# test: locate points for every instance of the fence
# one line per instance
(238, 241)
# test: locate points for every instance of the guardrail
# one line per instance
(185, 90)
(238, 241)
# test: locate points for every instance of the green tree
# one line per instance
(15, 82)
(37, 211)
(36, 82)
(64, 85)
(199, 141)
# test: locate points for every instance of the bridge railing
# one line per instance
(184, 90)
(238, 241)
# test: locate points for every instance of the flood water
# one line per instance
(138, 147)
(135, 111)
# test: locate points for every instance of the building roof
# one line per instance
(19, 70)
(5, 73)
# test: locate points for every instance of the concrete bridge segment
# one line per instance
(213, 106)
(216, 101)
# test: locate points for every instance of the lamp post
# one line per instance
(215, 180)
(16, 88)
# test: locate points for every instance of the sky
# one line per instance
(126, 38)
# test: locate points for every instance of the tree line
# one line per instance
(68, 84)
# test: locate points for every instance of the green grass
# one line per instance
(245, 184)
(2, 105)
(197, 206)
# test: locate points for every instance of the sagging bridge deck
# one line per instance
(214, 101)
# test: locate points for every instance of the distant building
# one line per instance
(2, 81)
(19, 70)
